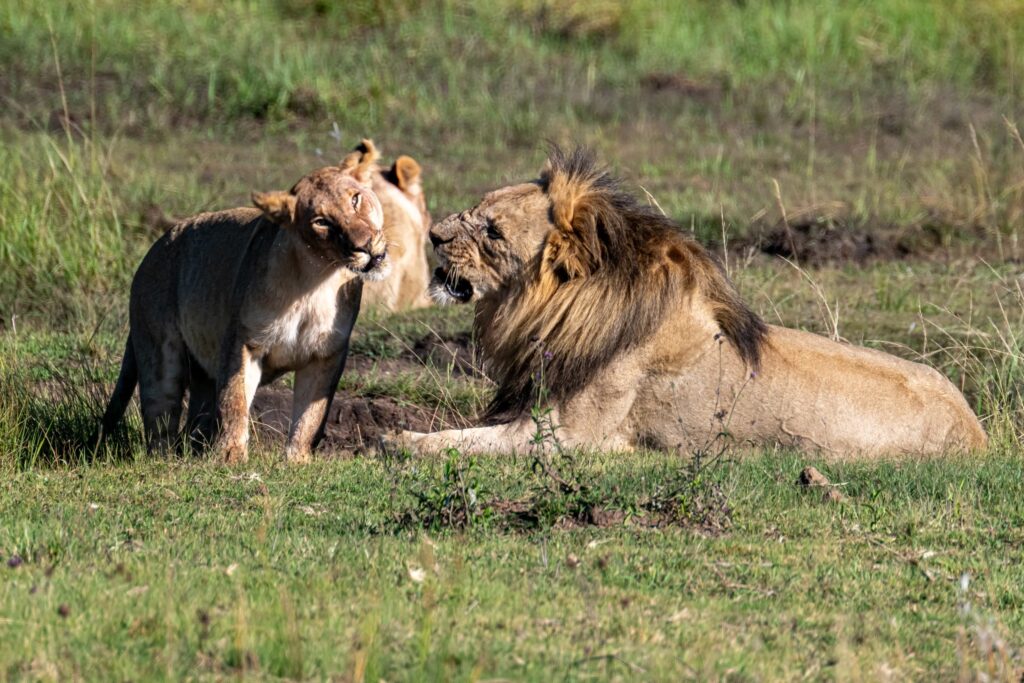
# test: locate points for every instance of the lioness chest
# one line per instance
(305, 326)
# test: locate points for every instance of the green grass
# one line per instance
(890, 113)
(894, 119)
(167, 570)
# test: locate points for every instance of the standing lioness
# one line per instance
(229, 300)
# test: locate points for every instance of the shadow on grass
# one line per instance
(55, 424)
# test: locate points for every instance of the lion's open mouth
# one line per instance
(455, 287)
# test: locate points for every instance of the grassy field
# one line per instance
(879, 138)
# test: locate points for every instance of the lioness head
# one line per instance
(336, 214)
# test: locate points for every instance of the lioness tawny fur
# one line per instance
(229, 300)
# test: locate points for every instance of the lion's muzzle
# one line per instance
(447, 287)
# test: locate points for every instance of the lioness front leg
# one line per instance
(237, 383)
(314, 391)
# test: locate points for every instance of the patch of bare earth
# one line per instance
(827, 234)
(354, 423)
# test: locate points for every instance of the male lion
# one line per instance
(406, 221)
(602, 309)
(229, 300)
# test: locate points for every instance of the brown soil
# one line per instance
(817, 243)
(353, 425)
(826, 235)
(431, 351)
(684, 85)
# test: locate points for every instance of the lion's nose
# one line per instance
(444, 231)
(436, 239)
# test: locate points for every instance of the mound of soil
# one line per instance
(684, 85)
(353, 424)
(816, 243)
(828, 235)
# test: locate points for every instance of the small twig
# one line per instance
(785, 220)
(653, 200)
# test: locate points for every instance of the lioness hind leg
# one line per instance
(162, 376)
(201, 422)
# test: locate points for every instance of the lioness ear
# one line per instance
(405, 173)
(360, 161)
(277, 206)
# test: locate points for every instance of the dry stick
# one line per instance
(785, 221)
(984, 190)
(654, 201)
(832, 317)
(60, 82)
(725, 241)
(1017, 187)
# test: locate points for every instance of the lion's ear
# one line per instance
(279, 207)
(405, 173)
(359, 162)
(573, 248)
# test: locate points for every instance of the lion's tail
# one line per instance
(123, 391)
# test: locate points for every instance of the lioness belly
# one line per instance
(813, 394)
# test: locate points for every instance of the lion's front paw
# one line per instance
(397, 442)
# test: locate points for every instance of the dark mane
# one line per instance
(610, 273)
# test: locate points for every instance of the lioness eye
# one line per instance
(357, 199)
(321, 223)
(492, 230)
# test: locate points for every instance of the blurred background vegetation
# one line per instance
(872, 144)
(874, 118)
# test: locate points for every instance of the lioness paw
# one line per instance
(298, 456)
(233, 453)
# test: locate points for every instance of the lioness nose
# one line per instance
(361, 237)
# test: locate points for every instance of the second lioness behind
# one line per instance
(227, 301)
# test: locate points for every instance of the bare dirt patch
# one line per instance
(431, 353)
(354, 423)
(684, 85)
(818, 242)
(827, 235)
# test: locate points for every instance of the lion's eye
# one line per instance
(492, 231)
(357, 200)
(321, 224)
